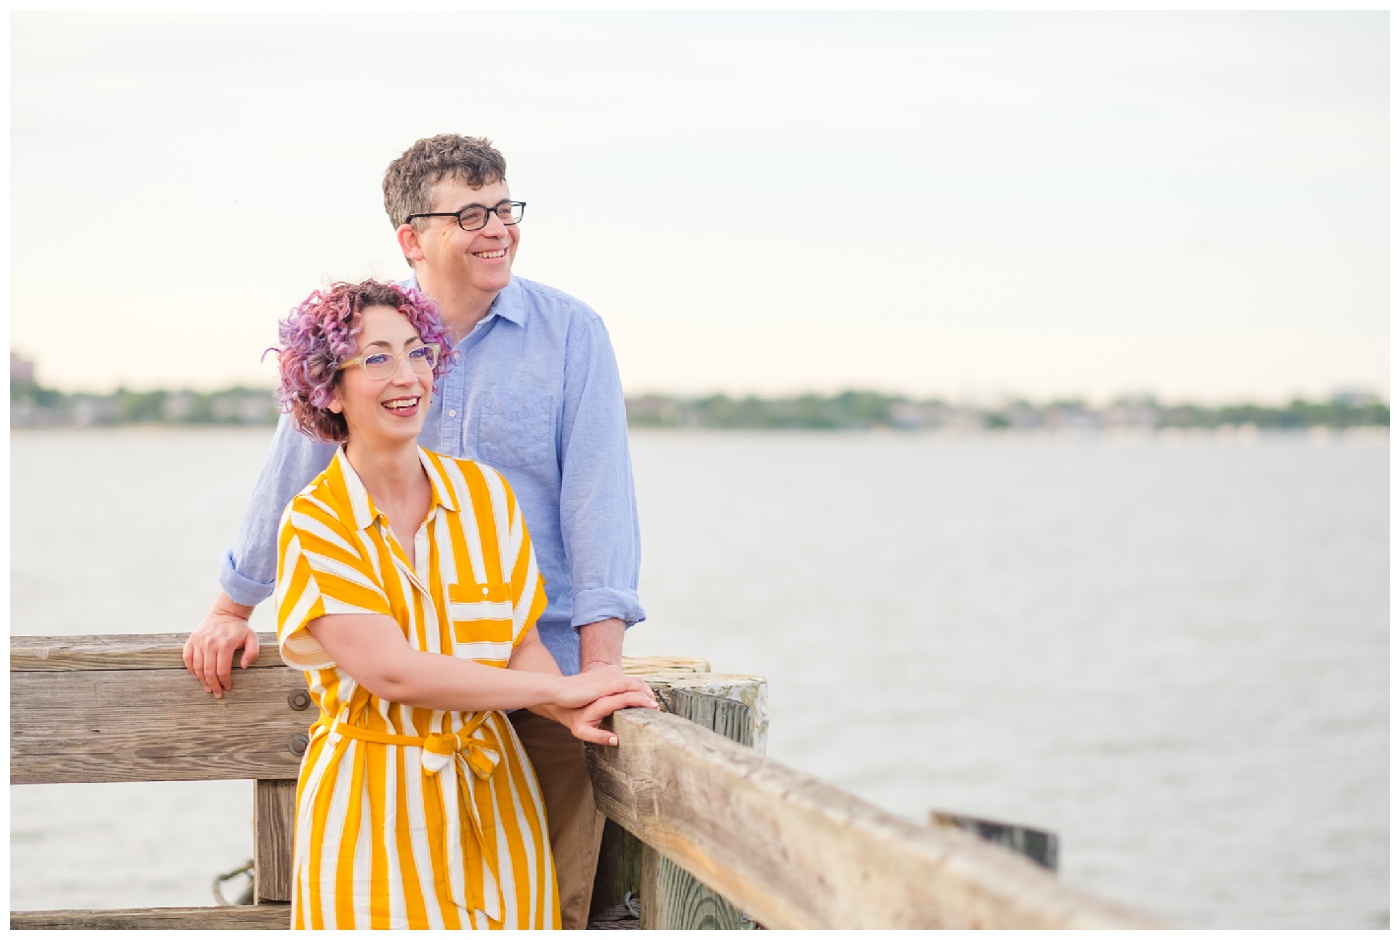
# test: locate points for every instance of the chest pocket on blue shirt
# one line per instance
(516, 432)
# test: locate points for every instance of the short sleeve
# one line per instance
(322, 568)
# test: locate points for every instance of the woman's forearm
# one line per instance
(372, 649)
(430, 680)
(531, 656)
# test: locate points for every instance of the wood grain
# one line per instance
(274, 822)
(235, 917)
(725, 717)
(797, 853)
(152, 724)
(108, 651)
(671, 897)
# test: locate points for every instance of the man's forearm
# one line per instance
(248, 571)
(600, 643)
(228, 607)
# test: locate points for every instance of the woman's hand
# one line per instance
(587, 687)
(581, 702)
(584, 722)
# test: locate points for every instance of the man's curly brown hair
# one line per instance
(410, 180)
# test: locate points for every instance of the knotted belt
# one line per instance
(469, 745)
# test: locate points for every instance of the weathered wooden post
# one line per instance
(670, 898)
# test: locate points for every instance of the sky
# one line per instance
(960, 205)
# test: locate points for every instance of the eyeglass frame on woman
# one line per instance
(486, 217)
(393, 370)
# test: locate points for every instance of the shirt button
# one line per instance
(452, 413)
(484, 591)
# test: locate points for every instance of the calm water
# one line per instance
(1172, 652)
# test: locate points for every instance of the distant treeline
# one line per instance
(32, 405)
(859, 410)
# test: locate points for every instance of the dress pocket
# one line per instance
(482, 621)
(516, 432)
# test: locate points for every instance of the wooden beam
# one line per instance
(797, 853)
(108, 651)
(132, 712)
(274, 822)
(1038, 845)
(154, 724)
(235, 917)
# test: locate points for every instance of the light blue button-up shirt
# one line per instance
(536, 395)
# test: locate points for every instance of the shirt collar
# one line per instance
(508, 305)
(362, 507)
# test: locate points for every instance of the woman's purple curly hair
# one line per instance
(321, 334)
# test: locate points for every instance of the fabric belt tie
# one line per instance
(438, 749)
(470, 745)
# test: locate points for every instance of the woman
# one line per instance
(408, 592)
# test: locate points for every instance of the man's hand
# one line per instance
(210, 648)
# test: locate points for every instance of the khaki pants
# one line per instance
(575, 825)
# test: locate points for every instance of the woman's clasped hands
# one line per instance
(584, 700)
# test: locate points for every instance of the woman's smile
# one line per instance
(375, 404)
(403, 406)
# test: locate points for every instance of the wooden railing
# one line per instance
(794, 852)
(782, 847)
(101, 709)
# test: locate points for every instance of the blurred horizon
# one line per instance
(26, 372)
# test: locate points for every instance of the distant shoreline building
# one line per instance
(21, 370)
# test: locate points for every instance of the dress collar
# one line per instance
(362, 507)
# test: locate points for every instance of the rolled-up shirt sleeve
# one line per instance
(248, 570)
(597, 500)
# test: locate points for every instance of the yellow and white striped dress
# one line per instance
(410, 817)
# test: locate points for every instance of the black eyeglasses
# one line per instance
(474, 217)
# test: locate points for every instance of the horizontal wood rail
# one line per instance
(236, 917)
(135, 714)
(796, 853)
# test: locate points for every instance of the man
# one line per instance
(536, 395)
